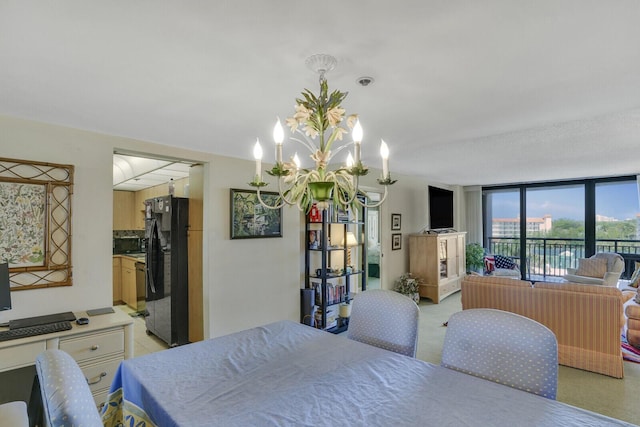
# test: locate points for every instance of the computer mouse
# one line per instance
(82, 321)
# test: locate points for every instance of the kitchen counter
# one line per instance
(138, 257)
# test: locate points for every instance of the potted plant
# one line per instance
(409, 286)
(474, 257)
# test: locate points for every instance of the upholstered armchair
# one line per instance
(603, 268)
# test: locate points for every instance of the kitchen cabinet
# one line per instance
(129, 294)
(123, 210)
(117, 281)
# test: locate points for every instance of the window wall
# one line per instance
(552, 225)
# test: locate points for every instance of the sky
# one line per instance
(616, 199)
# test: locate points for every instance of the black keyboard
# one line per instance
(31, 331)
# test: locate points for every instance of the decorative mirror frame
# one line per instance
(35, 223)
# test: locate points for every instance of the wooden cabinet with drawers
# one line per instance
(98, 347)
(439, 261)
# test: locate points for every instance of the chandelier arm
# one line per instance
(347, 184)
(289, 202)
(374, 205)
(268, 206)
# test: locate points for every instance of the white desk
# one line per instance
(98, 347)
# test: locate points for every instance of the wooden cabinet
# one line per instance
(439, 261)
(117, 281)
(123, 210)
(129, 295)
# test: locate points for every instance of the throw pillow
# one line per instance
(592, 267)
(504, 262)
(489, 264)
(635, 277)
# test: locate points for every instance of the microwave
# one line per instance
(127, 245)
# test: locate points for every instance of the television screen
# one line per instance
(5, 291)
(440, 208)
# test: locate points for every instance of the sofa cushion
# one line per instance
(489, 264)
(497, 280)
(504, 262)
(579, 287)
(591, 267)
(506, 272)
(635, 277)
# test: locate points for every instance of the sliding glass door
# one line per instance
(555, 230)
(550, 226)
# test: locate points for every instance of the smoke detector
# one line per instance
(364, 80)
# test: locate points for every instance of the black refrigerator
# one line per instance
(167, 276)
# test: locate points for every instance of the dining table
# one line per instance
(288, 374)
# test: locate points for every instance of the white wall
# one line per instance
(248, 282)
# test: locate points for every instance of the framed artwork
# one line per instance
(396, 223)
(396, 241)
(36, 223)
(250, 220)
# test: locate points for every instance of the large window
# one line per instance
(552, 225)
(555, 229)
(617, 217)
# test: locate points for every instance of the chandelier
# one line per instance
(317, 126)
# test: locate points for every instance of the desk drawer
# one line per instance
(90, 346)
(100, 375)
(21, 355)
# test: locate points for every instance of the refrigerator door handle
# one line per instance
(152, 249)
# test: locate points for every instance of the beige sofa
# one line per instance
(586, 319)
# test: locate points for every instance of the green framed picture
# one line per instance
(250, 219)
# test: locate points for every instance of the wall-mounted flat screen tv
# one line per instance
(440, 208)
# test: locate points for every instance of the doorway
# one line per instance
(140, 177)
(374, 254)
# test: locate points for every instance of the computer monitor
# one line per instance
(5, 288)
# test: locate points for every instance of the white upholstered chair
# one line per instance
(14, 414)
(615, 268)
(385, 319)
(503, 347)
(66, 396)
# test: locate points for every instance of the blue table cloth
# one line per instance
(285, 374)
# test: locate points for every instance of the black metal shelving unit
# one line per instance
(323, 268)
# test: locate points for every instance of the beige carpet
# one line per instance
(617, 398)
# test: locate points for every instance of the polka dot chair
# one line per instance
(503, 347)
(385, 319)
(66, 396)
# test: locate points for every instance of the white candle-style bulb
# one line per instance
(356, 133)
(278, 137)
(357, 139)
(384, 153)
(296, 160)
(350, 162)
(257, 154)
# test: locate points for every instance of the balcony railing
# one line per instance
(549, 258)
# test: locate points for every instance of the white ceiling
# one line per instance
(133, 173)
(466, 92)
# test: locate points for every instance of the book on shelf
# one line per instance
(336, 292)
